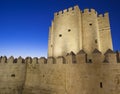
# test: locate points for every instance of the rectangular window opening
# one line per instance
(96, 41)
(101, 85)
(12, 75)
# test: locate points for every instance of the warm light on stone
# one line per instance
(80, 59)
(73, 30)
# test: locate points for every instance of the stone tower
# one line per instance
(87, 71)
(73, 30)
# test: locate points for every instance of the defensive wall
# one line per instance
(72, 74)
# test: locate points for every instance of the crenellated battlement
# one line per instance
(85, 11)
(76, 8)
(103, 15)
(103, 21)
(80, 57)
(89, 11)
(71, 9)
(32, 72)
(4, 59)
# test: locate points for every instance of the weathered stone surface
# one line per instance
(87, 72)
(72, 77)
(73, 30)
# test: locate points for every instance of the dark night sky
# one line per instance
(24, 24)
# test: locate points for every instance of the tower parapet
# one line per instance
(89, 11)
(66, 11)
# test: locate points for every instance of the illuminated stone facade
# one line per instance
(80, 59)
(73, 30)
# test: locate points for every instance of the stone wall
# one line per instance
(12, 75)
(72, 74)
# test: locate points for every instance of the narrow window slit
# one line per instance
(101, 85)
(96, 41)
